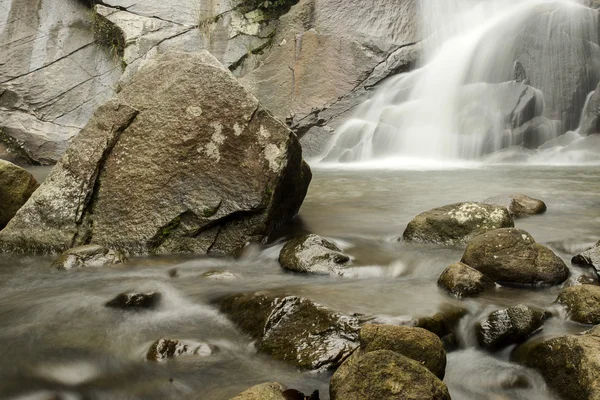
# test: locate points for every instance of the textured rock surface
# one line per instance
(589, 257)
(415, 343)
(511, 256)
(53, 76)
(456, 224)
(163, 349)
(16, 186)
(582, 303)
(91, 255)
(518, 205)
(509, 326)
(590, 118)
(295, 330)
(132, 301)
(200, 164)
(385, 375)
(264, 391)
(313, 254)
(570, 364)
(464, 281)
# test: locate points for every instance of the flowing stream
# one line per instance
(56, 336)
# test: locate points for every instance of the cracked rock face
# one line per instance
(456, 224)
(295, 330)
(201, 166)
(511, 256)
(53, 75)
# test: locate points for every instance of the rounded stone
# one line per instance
(518, 205)
(582, 303)
(509, 326)
(313, 254)
(16, 186)
(464, 281)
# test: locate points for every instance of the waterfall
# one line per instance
(495, 74)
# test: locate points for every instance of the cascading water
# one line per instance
(496, 74)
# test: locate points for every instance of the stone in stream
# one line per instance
(166, 348)
(415, 343)
(219, 275)
(132, 301)
(313, 254)
(294, 330)
(583, 280)
(518, 205)
(90, 255)
(385, 375)
(570, 364)
(511, 256)
(582, 303)
(464, 281)
(509, 326)
(589, 258)
(274, 391)
(192, 163)
(16, 186)
(456, 224)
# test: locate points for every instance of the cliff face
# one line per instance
(309, 61)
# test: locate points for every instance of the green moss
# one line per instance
(109, 36)
(167, 230)
(272, 9)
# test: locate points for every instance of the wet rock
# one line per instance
(509, 326)
(128, 301)
(511, 256)
(87, 256)
(444, 325)
(188, 187)
(518, 205)
(295, 330)
(415, 343)
(385, 375)
(219, 275)
(582, 303)
(589, 258)
(171, 348)
(16, 186)
(264, 391)
(570, 364)
(456, 224)
(313, 254)
(464, 281)
(293, 394)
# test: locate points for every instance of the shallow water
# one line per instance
(56, 336)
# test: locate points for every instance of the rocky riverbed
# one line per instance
(58, 336)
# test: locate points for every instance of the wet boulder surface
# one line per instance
(511, 256)
(295, 330)
(508, 326)
(589, 258)
(463, 281)
(582, 303)
(166, 348)
(88, 256)
(314, 255)
(16, 186)
(456, 224)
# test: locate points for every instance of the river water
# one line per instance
(56, 336)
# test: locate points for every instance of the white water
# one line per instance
(464, 103)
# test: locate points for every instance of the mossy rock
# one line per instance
(463, 281)
(582, 303)
(456, 224)
(16, 186)
(385, 375)
(511, 256)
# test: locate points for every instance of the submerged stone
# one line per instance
(456, 224)
(582, 303)
(509, 326)
(518, 205)
(294, 330)
(165, 348)
(511, 256)
(128, 301)
(313, 254)
(87, 256)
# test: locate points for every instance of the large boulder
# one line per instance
(456, 224)
(385, 375)
(313, 254)
(295, 330)
(582, 303)
(570, 364)
(509, 326)
(518, 205)
(415, 343)
(511, 256)
(201, 166)
(589, 258)
(464, 281)
(16, 186)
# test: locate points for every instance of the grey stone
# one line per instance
(314, 255)
(456, 224)
(509, 326)
(88, 256)
(163, 349)
(201, 166)
(518, 205)
(464, 281)
(589, 258)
